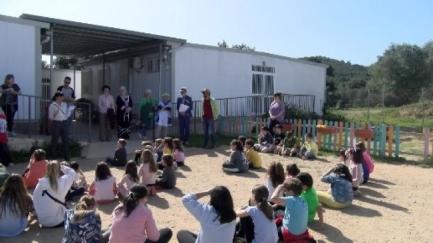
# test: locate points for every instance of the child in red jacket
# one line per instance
(5, 156)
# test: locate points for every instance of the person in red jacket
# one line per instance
(5, 156)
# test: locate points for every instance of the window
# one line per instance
(262, 88)
(269, 85)
(153, 65)
(257, 84)
(262, 69)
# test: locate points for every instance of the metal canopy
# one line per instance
(76, 39)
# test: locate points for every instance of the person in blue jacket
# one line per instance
(184, 116)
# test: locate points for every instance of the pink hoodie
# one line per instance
(368, 161)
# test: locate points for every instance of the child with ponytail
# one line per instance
(132, 221)
(83, 223)
(257, 220)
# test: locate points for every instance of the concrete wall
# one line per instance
(58, 77)
(228, 73)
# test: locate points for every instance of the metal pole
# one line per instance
(383, 105)
(368, 106)
(30, 110)
(160, 71)
(423, 107)
(103, 69)
(51, 53)
(74, 77)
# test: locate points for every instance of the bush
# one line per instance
(294, 112)
(24, 155)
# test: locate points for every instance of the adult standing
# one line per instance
(123, 113)
(58, 115)
(9, 101)
(277, 110)
(209, 114)
(163, 119)
(184, 101)
(146, 113)
(69, 98)
(106, 107)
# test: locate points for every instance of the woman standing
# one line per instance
(163, 120)
(9, 101)
(123, 111)
(217, 219)
(15, 205)
(146, 109)
(106, 107)
(49, 195)
(277, 111)
(57, 113)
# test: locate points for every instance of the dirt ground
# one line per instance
(395, 206)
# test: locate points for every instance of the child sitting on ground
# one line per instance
(310, 196)
(289, 145)
(265, 140)
(355, 168)
(277, 146)
(104, 187)
(343, 157)
(254, 159)
(168, 178)
(75, 190)
(367, 165)
(309, 149)
(242, 139)
(179, 155)
(158, 148)
(5, 155)
(274, 177)
(80, 179)
(129, 179)
(257, 220)
(36, 169)
(83, 223)
(238, 162)
(341, 193)
(138, 152)
(119, 158)
(292, 171)
(168, 146)
(293, 226)
(148, 170)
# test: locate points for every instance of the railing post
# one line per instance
(29, 114)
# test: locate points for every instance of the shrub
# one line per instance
(24, 155)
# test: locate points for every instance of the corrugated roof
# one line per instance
(80, 39)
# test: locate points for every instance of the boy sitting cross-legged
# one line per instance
(310, 196)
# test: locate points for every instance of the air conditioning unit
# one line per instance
(137, 63)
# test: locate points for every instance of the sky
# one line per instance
(355, 31)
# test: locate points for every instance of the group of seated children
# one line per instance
(286, 145)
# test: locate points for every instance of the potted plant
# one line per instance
(364, 133)
(323, 129)
(287, 126)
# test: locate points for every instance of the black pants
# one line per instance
(59, 129)
(74, 192)
(164, 236)
(245, 229)
(5, 155)
(185, 236)
(272, 124)
(10, 111)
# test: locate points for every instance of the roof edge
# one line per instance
(201, 46)
(15, 20)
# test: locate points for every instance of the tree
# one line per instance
(242, 46)
(65, 63)
(402, 68)
(44, 64)
(428, 50)
(223, 44)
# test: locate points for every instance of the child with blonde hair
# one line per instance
(147, 171)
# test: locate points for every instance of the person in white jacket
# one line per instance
(49, 195)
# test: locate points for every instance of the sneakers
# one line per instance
(304, 158)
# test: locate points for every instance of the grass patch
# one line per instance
(23, 156)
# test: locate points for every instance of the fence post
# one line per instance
(313, 129)
(382, 140)
(352, 127)
(369, 140)
(426, 142)
(397, 141)
(319, 135)
(335, 135)
(340, 135)
(29, 115)
(300, 131)
(309, 126)
(346, 134)
(390, 140)
(195, 118)
(304, 129)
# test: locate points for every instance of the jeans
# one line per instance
(10, 111)
(142, 129)
(113, 162)
(185, 236)
(184, 122)
(245, 229)
(366, 173)
(59, 129)
(208, 127)
(74, 192)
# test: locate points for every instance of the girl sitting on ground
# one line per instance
(256, 223)
(132, 221)
(49, 195)
(238, 162)
(217, 219)
(340, 194)
(148, 169)
(104, 187)
(168, 149)
(253, 157)
(343, 157)
(367, 165)
(36, 169)
(83, 223)
(168, 178)
(15, 205)
(355, 168)
(292, 171)
(179, 155)
(274, 177)
(129, 179)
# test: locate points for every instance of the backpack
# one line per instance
(4, 174)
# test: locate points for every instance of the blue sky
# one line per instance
(356, 31)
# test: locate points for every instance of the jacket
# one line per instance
(214, 106)
(188, 102)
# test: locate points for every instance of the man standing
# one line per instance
(184, 108)
(209, 114)
(69, 98)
